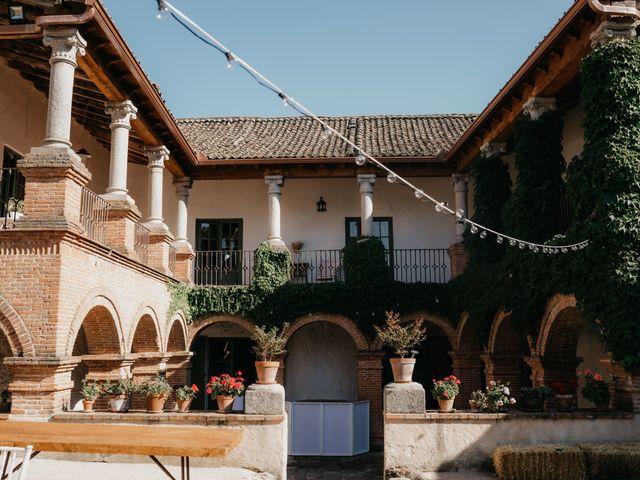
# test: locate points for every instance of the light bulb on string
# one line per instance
(361, 160)
(474, 229)
(391, 178)
(521, 246)
(439, 207)
(512, 243)
(564, 250)
(231, 60)
(483, 234)
(285, 98)
(460, 214)
(162, 9)
(326, 132)
(419, 194)
(500, 240)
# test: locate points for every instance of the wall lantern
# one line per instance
(321, 206)
(16, 14)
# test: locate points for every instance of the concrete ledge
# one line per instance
(434, 416)
(169, 418)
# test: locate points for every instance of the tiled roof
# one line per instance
(300, 137)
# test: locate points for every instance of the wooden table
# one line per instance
(183, 442)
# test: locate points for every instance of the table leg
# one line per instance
(185, 470)
(162, 467)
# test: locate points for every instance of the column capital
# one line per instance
(535, 107)
(274, 183)
(460, 182)
(156, 155)
(183, 185)
(121, 113)
(366, 182)
(492, 149)
(66, 44)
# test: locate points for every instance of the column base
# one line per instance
(264, 400)
(404, 398)
(184, 261)
(276, 243)
(119, 198)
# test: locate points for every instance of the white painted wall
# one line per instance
(326, 370)
(415, 224)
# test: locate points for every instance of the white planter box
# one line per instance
(328, 428)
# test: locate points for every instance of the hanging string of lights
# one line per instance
(363, 157)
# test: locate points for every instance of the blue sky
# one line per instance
(339, 57)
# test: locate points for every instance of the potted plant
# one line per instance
(5, 401)
(533, 398)
(297, 245)
(269, 343)
(478, 401)
(445, 392)
(118, 394)
(564, 394)
(401, 339)
(89, 392)
(224, 389)
(595, 389)
(498, 397)
(185, 395)
(156, 390)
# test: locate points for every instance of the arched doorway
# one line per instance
(220, 345)
(5, 351)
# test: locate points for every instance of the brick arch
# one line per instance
(561, 322)
(101, 323)
(203, 322)
(354, 332)
(177, 336)
(440, 322)
(467, 335)
(145, 334)
(504, 338)
(13, 328)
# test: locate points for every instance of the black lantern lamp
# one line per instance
(321, 206)
(16, 15)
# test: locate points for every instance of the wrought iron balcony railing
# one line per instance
(11, 196)
(235, 267)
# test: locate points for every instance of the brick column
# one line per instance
(178, 372)
(459, 259)
(370, 388)
(625, 387)
(41, 386)
(121, 227)
(184, 263)
(468, 367)
(280, 374)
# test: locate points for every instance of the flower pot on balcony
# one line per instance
(87, 405)
(445, 405)
(267, 372)
(225, 403)
(118, 403)
(183, 405)
(402, 369)
(155, 403)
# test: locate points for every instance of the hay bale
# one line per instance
(607, 461)
(539, 462)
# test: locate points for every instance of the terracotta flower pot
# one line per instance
(118, 403)
(183, 405)
(445, 405)
(267, 372)
(155, 404)
(402, 369)
(473, 406)
(225, 402)
(87, 405)
(564, 403)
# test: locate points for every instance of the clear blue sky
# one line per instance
(339, 57)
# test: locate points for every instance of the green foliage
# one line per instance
(155, 387)
(401, 338)
(604, 188)
(269, 342)
(90, 391)
(365, 262)
(179, 300)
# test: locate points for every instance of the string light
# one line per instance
(231, 60)
(361, 160)
(392, 177)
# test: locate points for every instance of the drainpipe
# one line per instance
(614, 10)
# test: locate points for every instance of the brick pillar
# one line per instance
(280, 374)
(184, 262)
(459, 259)
(468, 367)
(41, 386)
(146, 366)
(121, 227)
(178, 372)
(537, 370)
(370, 388)
(159, 244)
(547, 369)
(108, 367)
(625, 386)
(54, 178)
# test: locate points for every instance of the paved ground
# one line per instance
(362, 467)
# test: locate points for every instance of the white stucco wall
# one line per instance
(415, 224)
(321, 364)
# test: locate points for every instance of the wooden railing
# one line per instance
(94, 212)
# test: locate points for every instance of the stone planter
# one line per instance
(183, 405)
(155, 404)
(402, 369)
(87, 405)
(445, 405)
(225, 403)
(267, 372)
(564, 403)
(118, 403)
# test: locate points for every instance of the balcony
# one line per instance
(11, 196)
(235, 267)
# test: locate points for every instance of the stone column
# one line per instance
(611, 29)
(535, 107)
(366, 182)
(184, 251)
(156, 156)
(274, 190)
(121, 115)
(460, 190)
(66, 44)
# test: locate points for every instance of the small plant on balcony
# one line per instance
(401, 338)
(297, 245)
(533, 397)
(478, 400)
(269, 343)
(224, 389)
(118, 393)
(595, 389)
(157, 390)
(185, 395)
(89, 392)
(445, 391)
(499, 397)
